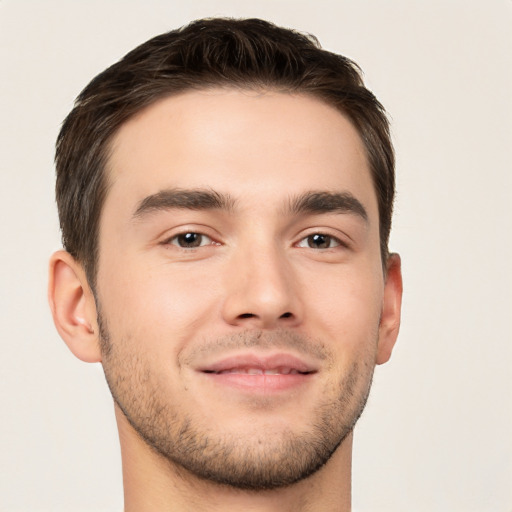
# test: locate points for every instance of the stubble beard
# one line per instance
(265, 461)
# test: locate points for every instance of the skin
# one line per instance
(257, 284)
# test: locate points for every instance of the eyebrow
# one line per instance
(205, 199)
(327, 202)
(194, 199)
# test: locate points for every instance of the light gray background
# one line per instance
(436, 435)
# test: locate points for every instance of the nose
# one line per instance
(261, 291)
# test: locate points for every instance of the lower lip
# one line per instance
(260, 383)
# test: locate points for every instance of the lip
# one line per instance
(260, 373)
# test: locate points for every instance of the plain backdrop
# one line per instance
(437, 433)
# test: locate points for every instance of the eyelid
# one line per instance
(168, 239)
(337, 242)
(171, 240)
(341, 241)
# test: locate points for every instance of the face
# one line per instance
(240, 284)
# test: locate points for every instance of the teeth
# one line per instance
(283, 370)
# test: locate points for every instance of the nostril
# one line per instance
(247, 316)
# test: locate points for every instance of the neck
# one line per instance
(153, 484)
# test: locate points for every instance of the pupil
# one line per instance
(190, 240)
(319, 241)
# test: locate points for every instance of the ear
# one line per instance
(73, 307)
(391, 308)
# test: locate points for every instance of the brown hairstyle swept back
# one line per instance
(217, 52)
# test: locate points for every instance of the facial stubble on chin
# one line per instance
(268, 460)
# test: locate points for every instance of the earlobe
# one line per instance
(73, 307)
(391, 309)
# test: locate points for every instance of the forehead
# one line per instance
(245, 143)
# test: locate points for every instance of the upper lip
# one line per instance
(264, 362)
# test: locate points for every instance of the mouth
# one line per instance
(283, 370)
(259, 373)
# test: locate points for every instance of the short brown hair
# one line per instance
(247, 53)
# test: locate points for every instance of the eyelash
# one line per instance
(201, 236)
(174, 240)
(319, 236)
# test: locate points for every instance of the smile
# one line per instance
(259, 364)
(261, 371)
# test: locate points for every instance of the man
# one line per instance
(225, 195)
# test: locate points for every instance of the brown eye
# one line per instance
(190, 240)
(319, 241)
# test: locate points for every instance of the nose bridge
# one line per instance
(260, 292)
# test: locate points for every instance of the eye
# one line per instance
(319, 241)
(190, 240)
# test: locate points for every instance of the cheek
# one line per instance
(156, 303)
(345, 307)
